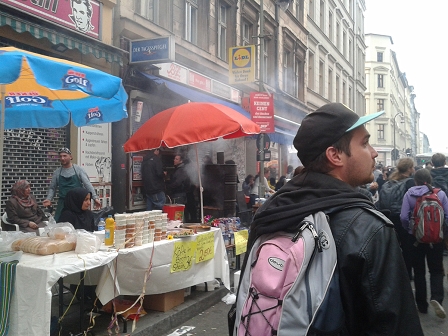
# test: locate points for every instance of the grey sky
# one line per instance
(418, 30)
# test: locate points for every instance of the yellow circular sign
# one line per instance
(241, 57)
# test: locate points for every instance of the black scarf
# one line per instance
(305, 194)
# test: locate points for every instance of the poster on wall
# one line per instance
(82, 16)
(95, 152)
(137, 168)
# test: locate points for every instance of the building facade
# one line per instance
(203, 31)
(336, 53)
(396, 131)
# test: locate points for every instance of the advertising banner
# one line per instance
(83, 16)
(242, 64)
(262, 111)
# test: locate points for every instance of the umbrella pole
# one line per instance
(200, 184)
(2, 132)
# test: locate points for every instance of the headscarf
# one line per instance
(18, 192)
(80, 219)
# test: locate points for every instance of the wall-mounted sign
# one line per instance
(196, 80)
(242, 64)
(95, 152)
(83, 16)
(156, 50)
(262, 111)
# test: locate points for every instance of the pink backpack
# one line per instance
(286, 281)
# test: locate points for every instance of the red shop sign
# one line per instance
(262, 111)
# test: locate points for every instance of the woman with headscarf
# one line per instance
(76, 209)
(22, 208)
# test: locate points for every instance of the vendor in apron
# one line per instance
(67, 177)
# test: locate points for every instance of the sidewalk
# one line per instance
(153, 323)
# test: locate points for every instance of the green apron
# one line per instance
(65, 184)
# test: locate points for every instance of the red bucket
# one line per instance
(174, 211)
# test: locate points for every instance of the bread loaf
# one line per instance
(43, 245)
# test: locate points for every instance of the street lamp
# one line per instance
(394, 151)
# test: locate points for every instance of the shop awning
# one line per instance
(280, 136)
(97, 48)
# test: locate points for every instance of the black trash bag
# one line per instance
(102, 213)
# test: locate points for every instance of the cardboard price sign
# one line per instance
(241, 241)
(205, 247)
(183, 256)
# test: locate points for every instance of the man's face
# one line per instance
(65, 159)
(80, 16)
(358, 168)
(177, 160)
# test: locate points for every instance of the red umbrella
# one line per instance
(188, 124)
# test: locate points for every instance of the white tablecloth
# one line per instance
(30, 312)
(131, 265)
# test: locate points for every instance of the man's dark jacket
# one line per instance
(375, 288)
(152, 174)
(440, 178)
(179, 181)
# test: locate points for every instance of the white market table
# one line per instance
(131, 264)
(30, 311)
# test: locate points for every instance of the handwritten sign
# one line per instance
(183, 256)
(205, 249)
(241, 241)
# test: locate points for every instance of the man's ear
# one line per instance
(334, 156)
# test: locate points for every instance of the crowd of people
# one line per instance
(378, 252)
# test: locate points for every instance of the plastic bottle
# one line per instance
(101, 225)
(110, 228)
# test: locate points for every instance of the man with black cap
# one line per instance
(333, 145)
(65, 178)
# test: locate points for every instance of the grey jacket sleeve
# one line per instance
(53, 184)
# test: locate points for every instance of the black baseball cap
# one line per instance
(325, 126)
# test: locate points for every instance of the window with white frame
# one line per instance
(330, 26)
(299, 79)
(322, 15)
(149, 9)
(299, 10)
(380, 105)
(381, 81)
(191, 21)
(344, 96)
(287, 71)
(246, 33)
(381, 132)
(338, 38)
(311, 9)
(311, 70)
(222, 30)
(337, 84)
(330, 84)
(379, 56)
(321, 78)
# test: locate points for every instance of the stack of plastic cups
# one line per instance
(120, 230)
(139, 223)
(130, 231)
(164, 225)
(145, 227)
(151, 226)
(158, 230)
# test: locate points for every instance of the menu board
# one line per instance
(95, 152)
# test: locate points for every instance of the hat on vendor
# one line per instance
(64, 150)
(324, 127)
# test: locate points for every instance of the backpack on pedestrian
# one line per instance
(290, 281)
(428, 218)
(391, 195)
